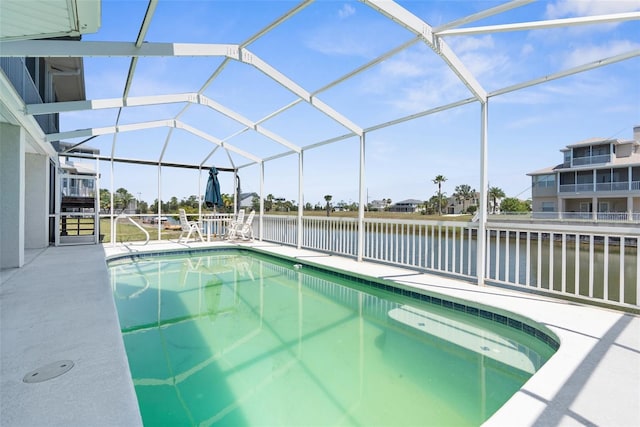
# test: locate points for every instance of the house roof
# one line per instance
(409, 202)
(599, 140)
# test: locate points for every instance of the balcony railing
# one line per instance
(600, 186)
(18, 75)
(591, 160)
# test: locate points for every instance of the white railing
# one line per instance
(128, 218)
(278, 228)
(604, 217)
(590, 160)
(586, 262)
(592, 263)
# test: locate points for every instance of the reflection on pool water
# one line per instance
(238, 338)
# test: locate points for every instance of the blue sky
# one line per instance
(328, 40)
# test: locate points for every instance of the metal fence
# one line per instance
(592, 263)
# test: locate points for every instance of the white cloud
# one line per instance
(527, 49)
(589, 53)
(402, 68)
(346, 11)
(466, 44)
(569, 8)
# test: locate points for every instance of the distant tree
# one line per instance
(105, 199)
(463, 193)
(494, 194)
(122, 198)
(308, 207)
(268, 203)
(255, 203)
(143, 207)
(190, 202)
(227, 202)
(327, 199)
(439, 179)
(511, 204)
(435, 204)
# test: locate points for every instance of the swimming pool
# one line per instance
(233, 337)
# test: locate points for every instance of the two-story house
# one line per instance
(599, 179)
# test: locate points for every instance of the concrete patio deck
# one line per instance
(57, 307)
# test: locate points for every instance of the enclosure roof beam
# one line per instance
(249, 58)
(99, 104)
(72, 48)
(56, 107)
(421, 114)
(482, 14)
(568, 72)
(148, 16)
(417, 26)
(540, 25)
(145, 162)
(204, 100)
(177, 124)
(277, 22)
(75, 48)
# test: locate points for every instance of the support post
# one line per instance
(484, 183)
(300, 197)
(261, 199)
(362, 196)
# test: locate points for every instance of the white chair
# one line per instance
(244, 230)
(188, 227)
(235, 223)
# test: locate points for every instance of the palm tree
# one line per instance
(495, 193)
(122, 198)
(328, 198)
(269, 202)
(439, 179)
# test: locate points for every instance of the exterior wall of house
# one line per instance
(543, 204)
(624, 150)
(36, 201)
(12, 191)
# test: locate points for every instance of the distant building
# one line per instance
(378, 205)
(599, 179)
(246, 200)
(407, 206)
(457, 207)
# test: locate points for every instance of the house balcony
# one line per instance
(591, 160)
(600, 187)
(17, 73)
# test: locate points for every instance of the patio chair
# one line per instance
(235, 223)
(244, 230)
(188, 227)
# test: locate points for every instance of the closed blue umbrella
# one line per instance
(212, 196)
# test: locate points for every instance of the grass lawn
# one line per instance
(382, 215)
(128, 232)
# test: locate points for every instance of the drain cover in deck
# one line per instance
(48, 372)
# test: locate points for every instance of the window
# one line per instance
(548, 207)
(544, 181)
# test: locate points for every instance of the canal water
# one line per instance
(542, 266)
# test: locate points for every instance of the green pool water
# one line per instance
(243, 339)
